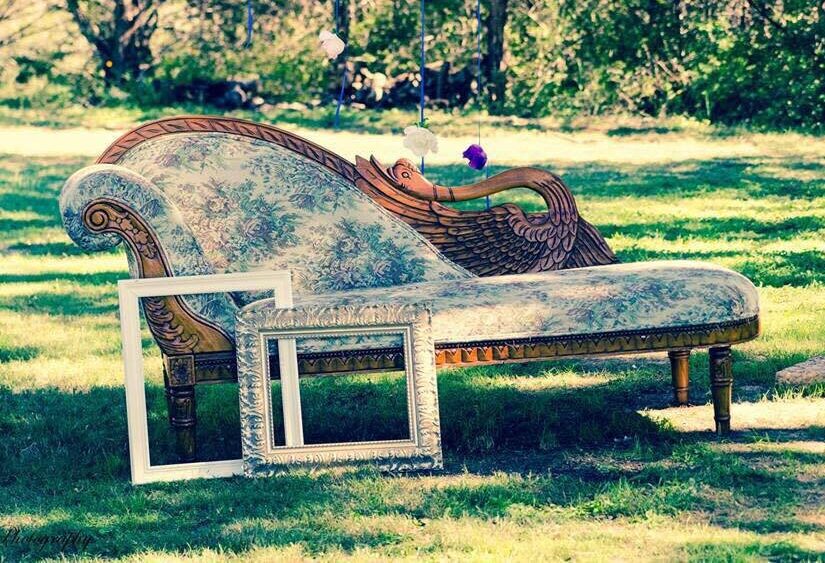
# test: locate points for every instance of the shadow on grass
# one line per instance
(692, 178)
(96, 279)
(47, 249)
(718, 228)
(66, 469)
(629, 131)
(68, 300)
(796, 269)
(11, 353)
(11, 225)
(60, 304)
(25, 198)
(778, 550)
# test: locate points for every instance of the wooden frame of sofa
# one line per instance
(196, 351)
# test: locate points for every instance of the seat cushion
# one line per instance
(614, 298)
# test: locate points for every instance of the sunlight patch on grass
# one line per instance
(58, 289)
(568, 380)
(58, 337)
(79, 374)
(816, 171)
(23, 520)
(20, 215)
(767, 445)
(15, 263)
(763, 415)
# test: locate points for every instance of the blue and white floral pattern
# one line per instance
(182, 250)
(619, 297)
(224, 203)
(255, 205)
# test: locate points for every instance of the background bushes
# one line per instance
(758, 62)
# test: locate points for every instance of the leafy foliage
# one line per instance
(757, 62)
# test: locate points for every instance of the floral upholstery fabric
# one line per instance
(224, 203)
(621, 297)
(254, 205)
(129, 188)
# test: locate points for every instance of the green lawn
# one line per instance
(558, 460)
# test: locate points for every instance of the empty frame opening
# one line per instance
(350, 389)
(215, 405)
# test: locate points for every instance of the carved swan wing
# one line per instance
(501, 240)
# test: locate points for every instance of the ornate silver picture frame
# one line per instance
(258, 324)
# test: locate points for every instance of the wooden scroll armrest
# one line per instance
(501, 240)
(104, 204)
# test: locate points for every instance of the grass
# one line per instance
(389, 120)
(559, 460)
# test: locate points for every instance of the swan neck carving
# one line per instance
(406, 177)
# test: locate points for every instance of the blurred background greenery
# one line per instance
(758, 63)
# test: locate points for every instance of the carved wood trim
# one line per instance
(497, 241)
(406, 177)
(232, 125)
(221, 367)
(443, 226)
(623, 342)
(721, 384)
(176, 329)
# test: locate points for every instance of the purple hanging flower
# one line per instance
(476, 157)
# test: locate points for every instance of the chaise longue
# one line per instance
(203, 195)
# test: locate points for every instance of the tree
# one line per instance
(494, 74)
(343, 20)
(119, 30)
(19, 19)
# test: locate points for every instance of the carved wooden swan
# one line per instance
(501, 240)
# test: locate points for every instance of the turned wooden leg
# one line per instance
(179, 377)
(680, 375)
(721, 385)
(183, 420)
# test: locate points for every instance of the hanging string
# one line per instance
(250, 19)
(478, 65)
(478, 86)
(344, 73)
(421, 121)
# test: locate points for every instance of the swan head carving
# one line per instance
(406, 176)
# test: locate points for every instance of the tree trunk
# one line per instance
(120, 31)
(342, 21)
(494, 75)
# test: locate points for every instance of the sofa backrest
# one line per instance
(252, 204)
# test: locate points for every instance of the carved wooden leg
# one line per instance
(179, 375)
(680, 375)
(721, 384)
(183, 420)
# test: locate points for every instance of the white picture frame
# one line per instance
(256, 324)
(129, 294)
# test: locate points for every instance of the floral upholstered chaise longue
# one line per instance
(203, 195)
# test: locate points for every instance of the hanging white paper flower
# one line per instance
(331, 44)
(379, 80)
(420, 140)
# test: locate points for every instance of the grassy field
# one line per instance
(559, 460)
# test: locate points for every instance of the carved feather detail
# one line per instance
(501, 240)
